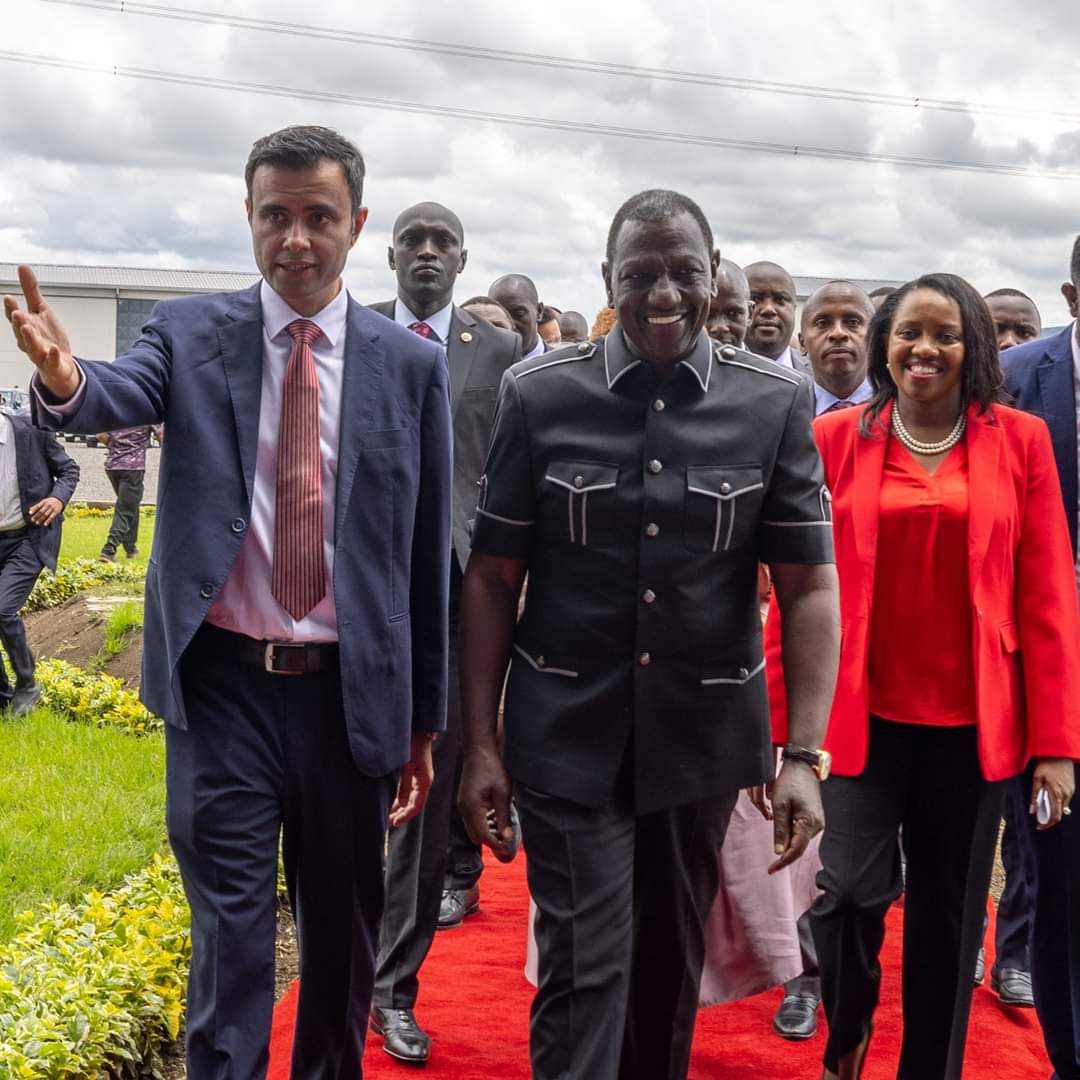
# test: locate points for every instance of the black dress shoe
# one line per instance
(403, 1038)
(456, 905)
(25, 698)
(796, 1018)
(1013, 987)
(980, 967)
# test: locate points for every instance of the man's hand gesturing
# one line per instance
(39, 334)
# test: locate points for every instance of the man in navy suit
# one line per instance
(295, 637)
(1044, 377)
(36, 481)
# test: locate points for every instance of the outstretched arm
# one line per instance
(41, 335)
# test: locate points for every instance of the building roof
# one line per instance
(804, 286)
(129, 277)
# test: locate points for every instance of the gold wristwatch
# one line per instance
(818, 760)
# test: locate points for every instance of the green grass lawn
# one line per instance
(80, 807)
(83, 538)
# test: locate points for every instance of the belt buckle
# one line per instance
(277, 652)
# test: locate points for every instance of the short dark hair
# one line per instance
(652, 206)
(549, 314)
(489, 300)
(1074, 263)
(1010, 292)
(881, 290)
(303, 147)
(982, 379)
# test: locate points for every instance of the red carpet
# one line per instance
(474, 1002)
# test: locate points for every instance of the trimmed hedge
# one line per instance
(93, 989)
(97, 699)
(85, 510)
(77, 575)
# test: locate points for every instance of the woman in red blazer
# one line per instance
(960, 662)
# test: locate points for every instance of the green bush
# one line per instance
(82, 510)
(92, 989)
(98, 699)
(75, 576)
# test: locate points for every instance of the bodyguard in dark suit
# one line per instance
(427, 255)
(1043, 376)
(296, 597)
(639, 481)
(773, 301)
(36, 481)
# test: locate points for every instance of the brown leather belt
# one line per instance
(278, 657)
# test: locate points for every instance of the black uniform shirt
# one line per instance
(643, 508)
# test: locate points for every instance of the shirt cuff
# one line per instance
(801, 542)
(61, 410)
(502, 536)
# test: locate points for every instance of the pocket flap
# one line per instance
(723, 481)
(732, 670)
(1010, 638)
(582, 475)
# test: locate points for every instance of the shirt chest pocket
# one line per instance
(722, 506)
(580, 501)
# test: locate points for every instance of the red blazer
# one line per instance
(1025, 617)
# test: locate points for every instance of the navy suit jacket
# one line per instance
(44, 470)
(197, 367)
(1039, 375)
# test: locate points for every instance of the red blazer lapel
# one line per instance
(866, 491)
(984, 480)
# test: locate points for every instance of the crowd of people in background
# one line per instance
(786, 571)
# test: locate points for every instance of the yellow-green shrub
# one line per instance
(97, 699)
(76, 575)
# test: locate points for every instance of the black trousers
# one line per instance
(19, 569)
(417, 863)
(266, 756)
(124, 530)
(927, 780)
(1052, 861)
(1013, 927)
(621, 907)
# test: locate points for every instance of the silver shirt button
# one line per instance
(539, 661)
(579, 481)
(648, 596)
(725, 488)
(744, 673)
(654, 466)
(658, 405)
(644, 660)
(652, 529)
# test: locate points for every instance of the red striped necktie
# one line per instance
(422, 329)
(298, 579)
(840, 405)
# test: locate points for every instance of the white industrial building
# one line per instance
(104, 307)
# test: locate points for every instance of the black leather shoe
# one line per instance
(456, 905)
(25, 698)
(980, 967)
(796, 1018)
(403, 1038)
(1013, 987)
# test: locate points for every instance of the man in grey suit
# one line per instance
(773, 300)
(426, 888)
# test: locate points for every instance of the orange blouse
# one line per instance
(920, 656)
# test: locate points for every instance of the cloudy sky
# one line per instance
(110, 170)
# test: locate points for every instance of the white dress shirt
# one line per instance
(824, 399)
(785, 359)
(439, 322)
(11, 515)
(536, 350)
(245, 604)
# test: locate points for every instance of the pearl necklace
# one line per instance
(923, 448)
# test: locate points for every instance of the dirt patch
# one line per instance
(75, 631)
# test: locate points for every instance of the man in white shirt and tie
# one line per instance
(835, 320)
(773, 300)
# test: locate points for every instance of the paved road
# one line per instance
(94, 485)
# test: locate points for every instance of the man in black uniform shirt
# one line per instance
(639, 480)
(427, 254)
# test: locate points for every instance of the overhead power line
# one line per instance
(525, 120)
(566, 63)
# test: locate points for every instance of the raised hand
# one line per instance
(40, 334)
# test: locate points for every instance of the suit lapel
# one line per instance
(1058, 398)
(460, 354)
(240, 340)
(360, 386)
(22, 435)
(984, 451)
(866, 498)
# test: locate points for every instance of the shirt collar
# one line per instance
(826, 399)
(1075, 348)
(7, 425)
(618, 359)
(277, 314)
(537, 350)
(439, 322)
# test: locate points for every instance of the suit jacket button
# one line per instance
(540, 661)
(655, 466)
(239, 525)
(725, 488)
(579, 481)
(206, 591)
(744, 673)
(644, 659)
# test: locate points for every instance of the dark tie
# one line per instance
(840, 405)
(298, 579)
(421, 328)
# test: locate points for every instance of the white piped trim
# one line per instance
(545, 670)
(734, 682)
